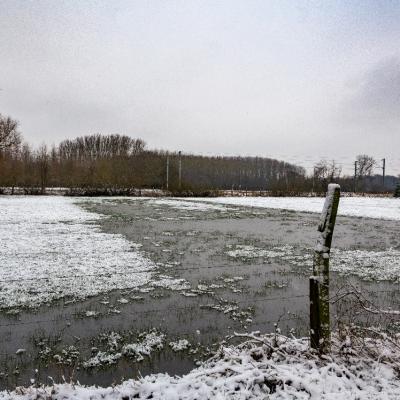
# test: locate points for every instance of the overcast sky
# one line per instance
(285, 79)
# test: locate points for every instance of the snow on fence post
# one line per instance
(320, 334)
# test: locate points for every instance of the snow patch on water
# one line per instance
(248, 251)
(52, 249)
(368, 265)
(167, 282)
(187, 205)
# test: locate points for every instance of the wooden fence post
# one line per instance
(320, 334)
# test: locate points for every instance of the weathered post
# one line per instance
(320, 334)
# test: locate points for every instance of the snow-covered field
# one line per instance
(371, 207)
(265, 367)
(52, 249)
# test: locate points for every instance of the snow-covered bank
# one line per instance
(269, 366)
(53, 249)
(371, 207)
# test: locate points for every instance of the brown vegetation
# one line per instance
(117, 164)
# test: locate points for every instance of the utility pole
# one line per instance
(313, 180)
(355, 176)
(180, 170)
(383, 172)
(286, 178)
(167, 171)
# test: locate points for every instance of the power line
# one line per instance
(167, 171)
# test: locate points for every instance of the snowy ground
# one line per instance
(53, 249)
(269, 366)
(58, 250)
(371, 207)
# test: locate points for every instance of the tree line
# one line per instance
(117, 162)
(363, 180)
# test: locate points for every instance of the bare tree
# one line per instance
(326, 172)
(10, 138)
(334, 171)
(43, 164)
(321, 170)
(365, 165)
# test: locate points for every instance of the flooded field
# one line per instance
(104, 289)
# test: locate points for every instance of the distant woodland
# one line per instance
(116, 162)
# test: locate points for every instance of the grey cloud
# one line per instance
(376, 97)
